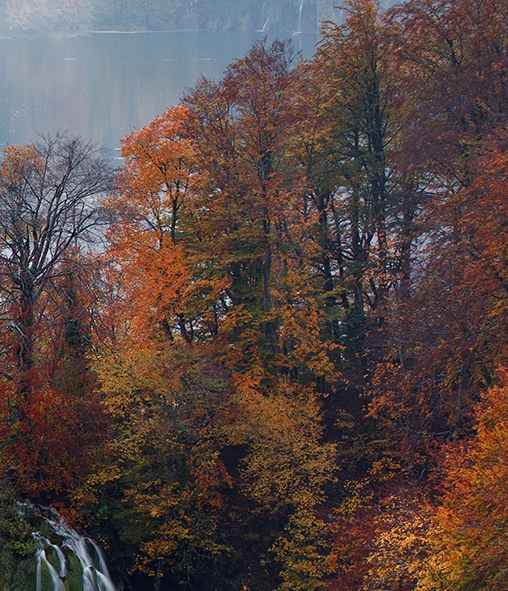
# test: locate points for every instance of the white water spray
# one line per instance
(263, 19)
(58, 583)
(300, 17)
(96, 576)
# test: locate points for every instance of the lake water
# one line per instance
(101, 86)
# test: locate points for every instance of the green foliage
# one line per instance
(17, 543)
(24, 576)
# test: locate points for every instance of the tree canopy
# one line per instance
(284, 364)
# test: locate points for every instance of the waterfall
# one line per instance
(57, 580)
(300, 17)
(95, 576)
(263, 19)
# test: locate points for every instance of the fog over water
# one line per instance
(103, 85)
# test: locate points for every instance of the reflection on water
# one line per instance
(103, 85)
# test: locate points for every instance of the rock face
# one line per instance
(289, 16)
(269, 16)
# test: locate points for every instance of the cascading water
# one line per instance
(300, 17)
(95, 575)
(264, 18)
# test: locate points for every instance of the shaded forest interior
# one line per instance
(269, 351)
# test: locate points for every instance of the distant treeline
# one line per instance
(128, 15)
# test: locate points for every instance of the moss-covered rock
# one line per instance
(17, 542)
(23, 578)
(23, 532)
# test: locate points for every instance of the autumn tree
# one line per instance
(259, 226)
(150, 211)
(450, 77)
(452, 59)
(159, 168)
(456, 540)
(167, 488)
(49, 210)
(446, 348)
(355, 177)
(209, 237)
(245, 148)
(365, 201)
(468, 530)
(252, 215)
(49, 203)
(441, 337)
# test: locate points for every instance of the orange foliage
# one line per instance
(468, 531)
(52, 444)
(156, 189)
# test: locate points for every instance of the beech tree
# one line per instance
(354, 177)
(251, 177)
(210, 236)
(149, 232)
(250, 227)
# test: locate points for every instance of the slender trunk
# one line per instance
(357, 251)
(378, 187)
(270, 328)
(158, 576)
(406, 245)
(330, 301)
(25, 329)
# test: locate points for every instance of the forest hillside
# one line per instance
(269, 351)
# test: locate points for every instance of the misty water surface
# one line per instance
(103, 85)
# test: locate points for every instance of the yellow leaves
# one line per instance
(303, 550)
(401, 543)
(168, 408)
(19, 157)
(156, 498)
(286, 462)
(476, 490)
(460, 543)
(213, 385)
(124, 377)
(101, 477)
(301, 335)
